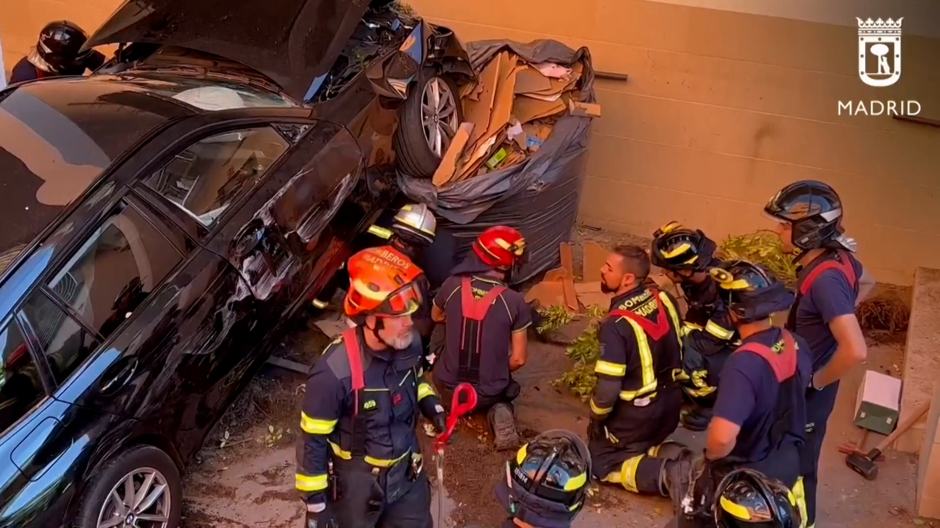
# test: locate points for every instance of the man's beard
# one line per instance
(400, 343)
(607, 289)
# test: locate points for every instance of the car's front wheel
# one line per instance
(140, 488)
(429, 120)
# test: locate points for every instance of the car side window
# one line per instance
(20, 385)
(212, 173)
(118, 266)
(66, 343)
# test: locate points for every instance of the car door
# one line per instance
(204, 186)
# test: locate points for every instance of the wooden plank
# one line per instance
(287, 364)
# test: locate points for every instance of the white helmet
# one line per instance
(415, 224)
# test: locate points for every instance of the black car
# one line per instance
(165, 218)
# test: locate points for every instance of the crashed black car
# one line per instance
(164, 218)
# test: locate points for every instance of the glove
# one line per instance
(440, 422)
(596, 430)
(317, 515)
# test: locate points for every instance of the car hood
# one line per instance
(290, 41)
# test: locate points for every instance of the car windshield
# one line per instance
(56, 138)
(205, 94)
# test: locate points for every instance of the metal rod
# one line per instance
(919, 120)
(610, 76)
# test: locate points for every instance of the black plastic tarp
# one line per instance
(539, 196)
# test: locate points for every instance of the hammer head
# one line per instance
(862, 465)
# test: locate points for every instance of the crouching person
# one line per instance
(359, 462)
(636, 403)
(485, 330)
(759, 420)
(709, 338)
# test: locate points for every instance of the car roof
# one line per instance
(57, 137)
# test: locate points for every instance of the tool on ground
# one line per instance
(463, 402)
(864, 465)
(857, 447)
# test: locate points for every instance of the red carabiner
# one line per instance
(458, 408)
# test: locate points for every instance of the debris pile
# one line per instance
(508, 113)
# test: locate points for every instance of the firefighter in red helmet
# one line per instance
(485, 329)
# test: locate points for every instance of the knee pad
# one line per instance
(668, 450)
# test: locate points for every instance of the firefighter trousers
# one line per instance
(642, 473)
(819, 404)
(382, 499)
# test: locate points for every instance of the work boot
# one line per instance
(503, 423)
(695, 418)
(675, 479)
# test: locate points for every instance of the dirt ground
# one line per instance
(246, 479)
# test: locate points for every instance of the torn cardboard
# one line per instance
(595, 256)
(445, 171)
(530, 80)
(577, 108)
(526, 109)
(478, 111)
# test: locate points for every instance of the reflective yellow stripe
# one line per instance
(735, 509)
(599, 410)
(377, 462)
(424, 390)
(380, 232)
(317, 427)
(646, 364)
(718, 331)
(317, 303)
(611, 369)
(688, 328)
(674, 315)
(311, 483)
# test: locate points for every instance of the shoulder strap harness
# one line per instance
(473, 312)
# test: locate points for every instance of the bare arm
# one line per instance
(519, 353)
(721, 437)
(851, 350)
(866, 283)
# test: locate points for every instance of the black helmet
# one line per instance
(750, 292)
(60, 45)
(545, 484)
(676, 248)
(812, 208)
(415, 224)
(749, 499)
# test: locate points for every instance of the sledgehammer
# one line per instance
(864, 465)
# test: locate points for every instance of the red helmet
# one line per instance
(500, 246)
(381, 283)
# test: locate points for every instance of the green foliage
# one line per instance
(584, 352)
(762, 248)
(554, 318)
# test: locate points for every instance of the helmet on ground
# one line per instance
(813, 210)
(750, 292)
(60, 45)
(677, 248)
(500, 247)
(415, 224)
(381, 283)
(546, 483)
(749, 499)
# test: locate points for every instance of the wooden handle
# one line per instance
(903, 426)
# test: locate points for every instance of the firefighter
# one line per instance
(830, 285)
(359, 462)
(709, 338)
(636, 403)
(58, 52)
(760, 415)
(546, 483)
(485, 329)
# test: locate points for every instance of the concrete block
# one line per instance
(928, 468)
(921, 362)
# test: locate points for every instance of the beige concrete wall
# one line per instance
(723, 107)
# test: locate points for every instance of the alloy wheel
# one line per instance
(139, 500)
(438, 115)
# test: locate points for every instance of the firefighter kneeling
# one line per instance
(709, 338)
(359, 462)
(760, 414)
(636, 403)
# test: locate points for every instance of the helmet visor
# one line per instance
(403, 301)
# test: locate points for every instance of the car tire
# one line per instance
(412, 146)
(137, 464)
